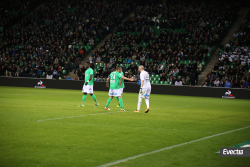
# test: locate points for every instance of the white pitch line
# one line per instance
(103, 113)
(166, 148)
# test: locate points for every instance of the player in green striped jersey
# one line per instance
(116, 79)
(88, 85)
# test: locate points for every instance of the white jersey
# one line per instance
(145, 76)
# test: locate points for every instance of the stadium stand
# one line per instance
(172, 44)
(51, 38)
(234, 61)
(12, 11)
(174, 41)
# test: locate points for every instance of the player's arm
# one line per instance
(91, 76)
(142, 83)
(120, 82)
(122, 77)
(142, 77)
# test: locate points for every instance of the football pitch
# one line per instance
(44, 127)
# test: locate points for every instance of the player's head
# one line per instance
(141, 68)
(87, 64)
(118, 68)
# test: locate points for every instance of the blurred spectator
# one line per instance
(205, 84)
(163, 77)
(246, 85)
(178, 81)
(77, 62)
(227, 84)
(69, 77)
(55, 73)
(216, 82)
(98, 78)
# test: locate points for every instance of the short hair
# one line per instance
(118, 67)
(141, 66)
(91, 65)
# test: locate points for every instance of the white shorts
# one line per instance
(88, 89)
(114, 92)
(145, 93)
(121, 89)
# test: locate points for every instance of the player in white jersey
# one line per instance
(145, 89)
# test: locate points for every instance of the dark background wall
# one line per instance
(129, 87)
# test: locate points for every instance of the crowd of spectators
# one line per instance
(173, 41)
(233, 69)
(13, 10)
(176, 39)
(53, 38)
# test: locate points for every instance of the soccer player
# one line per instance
(114, 90)
(88, 85)
(122, 86)
(145, 89)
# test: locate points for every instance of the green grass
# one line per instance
(92, 140)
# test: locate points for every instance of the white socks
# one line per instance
(147, 102)
(139, 104)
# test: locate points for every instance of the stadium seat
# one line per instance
(97, 67)
(87, 49)
(209, 55)
(64, 72)
(213, 49)
(166, 82)
(43, 74)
